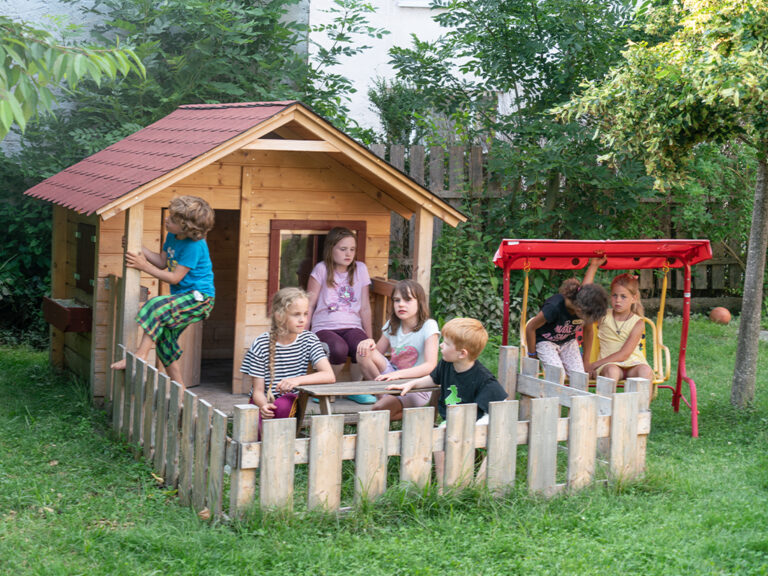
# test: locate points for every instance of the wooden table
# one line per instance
(323, 393)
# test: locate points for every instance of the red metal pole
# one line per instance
(505, 321)
(681, 371)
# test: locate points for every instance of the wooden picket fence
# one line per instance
(185, 440)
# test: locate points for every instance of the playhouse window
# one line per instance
(297, 245)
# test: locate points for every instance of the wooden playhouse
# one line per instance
(278, 177)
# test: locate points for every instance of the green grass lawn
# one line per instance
(72, 501)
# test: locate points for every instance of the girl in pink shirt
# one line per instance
(339, 303)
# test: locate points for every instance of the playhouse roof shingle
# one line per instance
(169, 143)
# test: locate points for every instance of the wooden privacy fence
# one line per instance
(185, 440)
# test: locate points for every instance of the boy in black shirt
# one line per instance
(461, 377)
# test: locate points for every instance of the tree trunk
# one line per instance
(745, 371)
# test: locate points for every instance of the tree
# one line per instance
(707, 83)
(33, 63)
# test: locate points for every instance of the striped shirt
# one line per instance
(290, 361)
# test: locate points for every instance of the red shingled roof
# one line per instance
(150, 153)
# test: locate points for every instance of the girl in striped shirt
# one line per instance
(277, 360)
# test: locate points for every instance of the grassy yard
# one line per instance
(72, 501)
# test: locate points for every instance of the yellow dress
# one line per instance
(612, 336)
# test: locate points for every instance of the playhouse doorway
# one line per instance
(218, 331)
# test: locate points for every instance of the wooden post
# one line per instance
(187, 448)
(131, 285)
(325, 452)
(277, 463)
(502, 445)
(216, 462)
(371, 455)
(542, 445)
(416, 445)
(422, 257)
(509, 358)
(460, 445)
(582, 441)
(245, 428)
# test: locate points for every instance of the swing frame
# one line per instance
(665, 254)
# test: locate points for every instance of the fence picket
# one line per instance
(215, 493)
(582, 441)
(502, 446)
(542, 445)
(118, 396)
(277, 465)
(202, 451)
(554, 374)
(605, 387)
(150, 400)
(416, 445)
(187, 447)
(643, 388)
(623, 461)
(125, 421)
(579, 381)
(459, 445)
(172, 434)
(325, 452)
(137, 400)
(509, 358)
(245, 428)
(161, 420)
(371, 455)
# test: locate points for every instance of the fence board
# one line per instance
(624, 435)
(606, 388)
(161, 422)
(502, 446)
(416, 445)
(371, 455)
(542, 445)
(509, 358)
(436, 169)
(119, 396)
(456, 170)
(416, 167)
(277, 466)
(202, 450)
(125, 421)
(325, 454)
(187, 447)
(245, 428)
(150, 401)
(137, 400)
(579, 381)
(582, 441)
(530, 367)
(554, 374)
(172, 434)
(216, 462)
(459, 445)
(643, 388)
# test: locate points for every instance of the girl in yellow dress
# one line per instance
(619, 334)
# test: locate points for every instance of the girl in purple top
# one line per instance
(339, 303)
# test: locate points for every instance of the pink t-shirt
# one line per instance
(339, 307)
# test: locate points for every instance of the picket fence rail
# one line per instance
(185, 441)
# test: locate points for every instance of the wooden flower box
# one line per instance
(67, 314)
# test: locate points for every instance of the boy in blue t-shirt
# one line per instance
(185, 264)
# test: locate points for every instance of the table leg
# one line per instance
(325, 405)
(301, 409)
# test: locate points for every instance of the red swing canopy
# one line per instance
(621, 254)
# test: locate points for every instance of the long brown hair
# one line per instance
(336, 235)
(409, 290)
(632, 284)
(281, 301)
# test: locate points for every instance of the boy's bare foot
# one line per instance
(119, 365)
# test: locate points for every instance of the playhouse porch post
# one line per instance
(131, 285)
(424, 222)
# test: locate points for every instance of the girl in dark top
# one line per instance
(551, 335)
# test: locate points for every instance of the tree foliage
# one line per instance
(33, 63)
(708, 83)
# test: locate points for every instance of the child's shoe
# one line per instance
(363, 398)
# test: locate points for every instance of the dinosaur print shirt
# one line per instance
(474, 386)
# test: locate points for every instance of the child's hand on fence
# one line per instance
(136, 260)
(404, 388)
(366, 346)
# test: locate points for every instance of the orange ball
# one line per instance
(720, 315)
